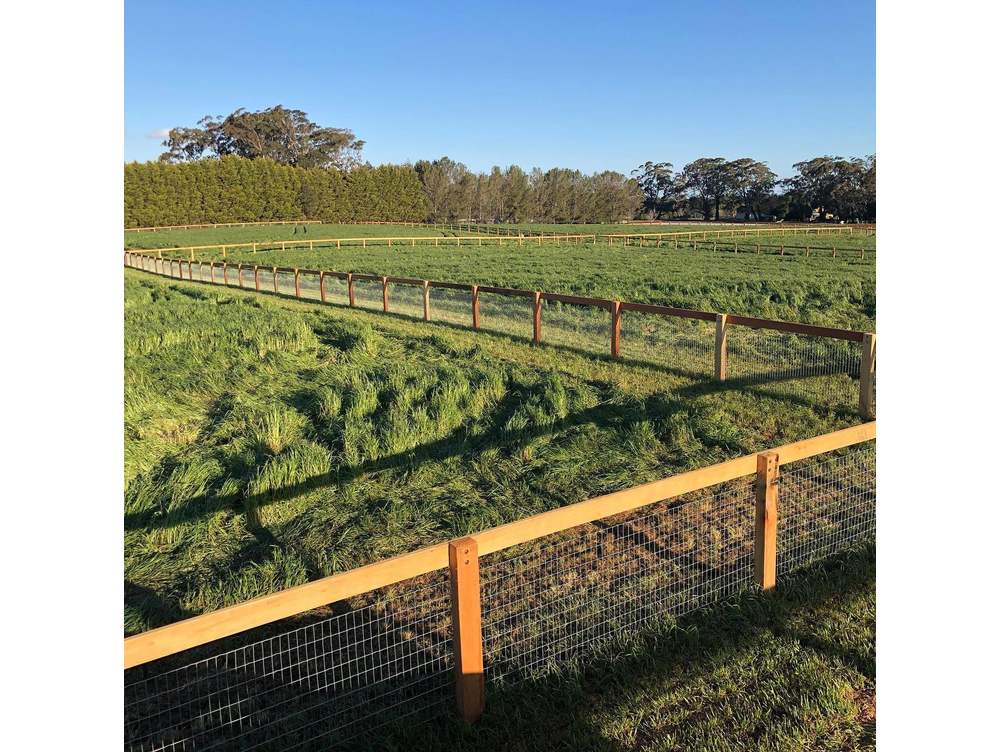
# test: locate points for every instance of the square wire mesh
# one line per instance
(378, 660)
(336, 290)
(758, 355)
(309, 285)
(368, 294)
(406, 300)
(586, 328)
(246, 277)
(825, 504)
(286, 283)
(452, 306)
(594, 588)
(679, 343)
(512, 315)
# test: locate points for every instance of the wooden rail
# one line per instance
(215, 625)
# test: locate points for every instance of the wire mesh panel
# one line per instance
(368, 293)
(406, 299)
(600, 585)
(581, 327)
(336, 290)
(758, 355)
(309, 285)
(507, 314)
(319, 686)
(453, 306)
(825, 504)
(246, 277)
(681, 343)
(286, 282)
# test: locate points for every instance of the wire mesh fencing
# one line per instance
(336, 290)
(368, 293)
(598, 586)
(825, 505)
(759, 355)
(512, 315)
(309, 285)
(406, 299)
(451, 304)
(377, 663)
(581, 327)
(668, 341)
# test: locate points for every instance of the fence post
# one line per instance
(211, 266)
(298, 292)
(322, 287)
(385, 294)
(721, 330)
(256, 278)
(537, 318)
(467, 628)
(475, 306)
(350, 289)
(427, 300)
(616, 328)
(274, 270)
(867, 401)
(765, 547)
(225, 274)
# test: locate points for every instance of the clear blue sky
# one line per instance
(585, 85)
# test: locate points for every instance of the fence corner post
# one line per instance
(467, 628)
(427, 300)
(867, 397)
(616, 328)
(765, 547)
(475, 306)
(721, 331)
(537, 319)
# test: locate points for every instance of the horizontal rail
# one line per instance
(229, 224)
(576, 300)
(405, 280)
(215, 625)
(450, 285)
(686, 313)
(795, 328)
(507, 291)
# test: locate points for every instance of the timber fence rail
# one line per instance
(723, 346)
(780, 249)
(626, 238)
(416, 636)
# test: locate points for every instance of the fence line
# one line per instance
(773, 348)
(626, 237)
(723, 245)
(229, 224)
(500, 605)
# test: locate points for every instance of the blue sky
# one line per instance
(591, 86)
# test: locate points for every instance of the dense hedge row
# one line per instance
(233, 189)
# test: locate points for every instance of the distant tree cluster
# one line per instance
(235, 189)
(513, 195)
(712, 187)
(278, 164)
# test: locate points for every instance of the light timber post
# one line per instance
(537, 319)
(274, 270)
(721, 332)
(256, 278)
(350, 289)
(765, 547)
(322, 287)
(427, 300)
(867, 399)
(298, 292)
(211, 266)
(475, 306)
(385, 294)
(467, 628)
(225, 274)
(616, 328)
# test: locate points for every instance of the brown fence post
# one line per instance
(475, 306)
(867, 400)
(274, 271)
(616, 328)
(298, 292)
(211, 266)
(765, 548)
(537, 319)
(721, 330)
(322, 287)
(225, 274)
(385, 294)
(350, 289)
(427, 300)
(256, 278)
(467, 628)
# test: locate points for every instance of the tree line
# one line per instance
(277, 164)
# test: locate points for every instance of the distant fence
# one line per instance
(407, 639)
(737, 347)
(207, 225)
(752, 247)
(641, 238)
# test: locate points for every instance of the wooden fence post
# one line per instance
(867, 400)
(616, 328)
(256, 278)
(225, 274)
(467, 628)
(322, 287)
(385, 294)
(298, 292)
(427, 300)
(350, 289)
(765, 548)
(537, 319)
(274, 270)
(721, 330)
(475, 306)
(211, 266)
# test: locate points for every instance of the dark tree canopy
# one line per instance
(285, 136)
